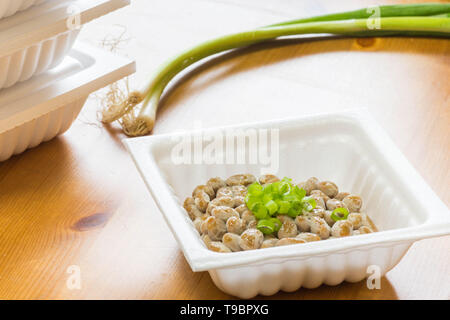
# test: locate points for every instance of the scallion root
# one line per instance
(134, 126)
(120, 107)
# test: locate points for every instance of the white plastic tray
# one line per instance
(45, 106)
(11, 7)
(37, 39)
(347, 148)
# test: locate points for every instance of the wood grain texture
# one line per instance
(78, 200)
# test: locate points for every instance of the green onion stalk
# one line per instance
(430, 20)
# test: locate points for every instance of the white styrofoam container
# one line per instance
(45, 106)
(348, 148)
(38, 39)
(11, 7)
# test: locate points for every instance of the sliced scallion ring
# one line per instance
(283, 206)
(260, 211)
(255, 189)
(266, 226)
(339, 214)
(272, 207)
(310, 203)
(277, 223)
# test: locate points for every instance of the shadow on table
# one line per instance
(116, 134)
(42, 162)
(200, 286)
(344, 291)
(51, 174)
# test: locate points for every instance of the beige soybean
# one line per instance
(191, 208)
(365, 230)
(288, 229)
(329, 188)
(316, 212)
(251, 239)
(240, 179)
(239, 191)
(238, 201)
(289, 241)
(203, 189)
(224, 192)
(269, 243)
(248, 216)
(218, 246)
(320, 227)
(284, 217)
(319, 201)
(355, 219)
(198, 223)
(236, 225)
(342, 228)
(308, 236)
(341, 195)
(215, 246)
(204, 228)
(252, 224)
(352, 202)
(310, 185)
(218, 202)
(268, 178)
(320, 194)
(224, 213)
(334, 204)
(231, 240)
(241, 209)
(302, 223)
(328, 218)
(202, 201)
(215, 228)
(216, 183)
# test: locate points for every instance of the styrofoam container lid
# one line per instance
(85, 70)
(50, 19)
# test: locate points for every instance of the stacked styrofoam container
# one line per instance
(10, 7)
(44, 78)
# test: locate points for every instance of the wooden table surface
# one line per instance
(79, 201)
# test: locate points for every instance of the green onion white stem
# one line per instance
(408, 21)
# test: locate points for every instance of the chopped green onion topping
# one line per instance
(283, 206)
(260, 211)
(269, 226)
(293, 213)
(255, 189)
(271, 206)
(270, 200)
(339, 214)
(310, 203)
(277, 223)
